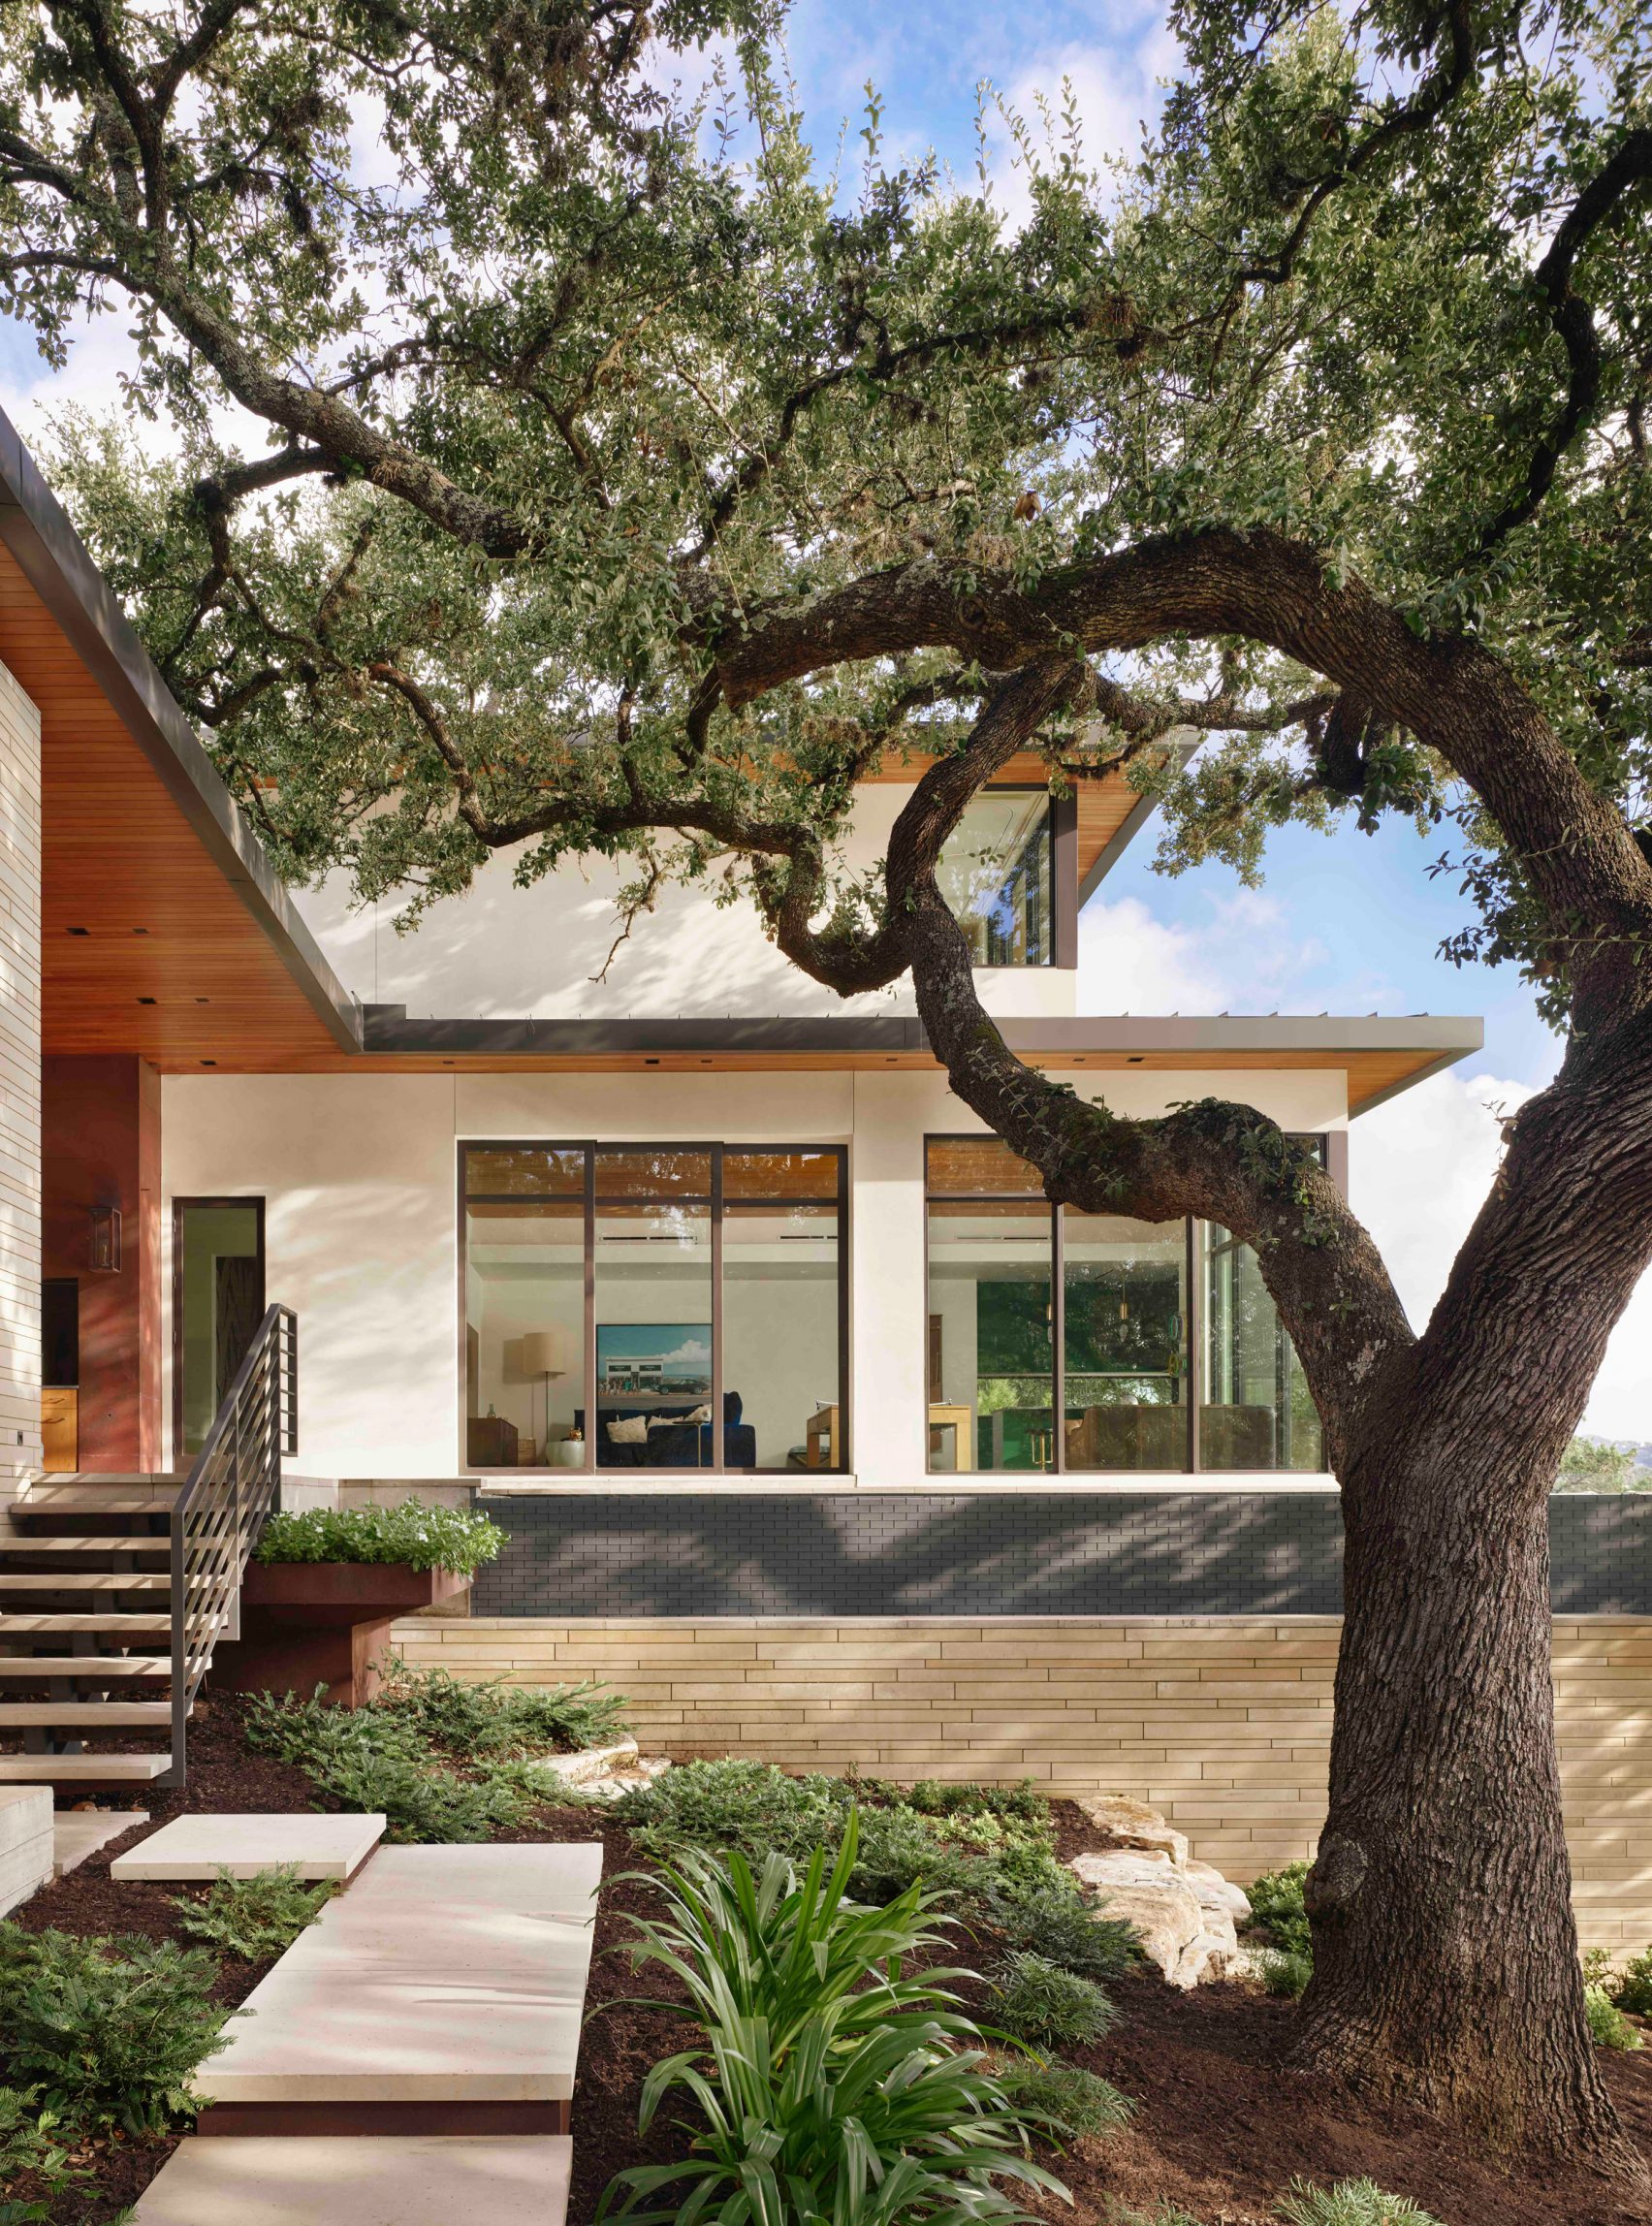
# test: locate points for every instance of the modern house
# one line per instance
(815, 1427)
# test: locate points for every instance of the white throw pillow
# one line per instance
(700, 1415)
(629, 1430)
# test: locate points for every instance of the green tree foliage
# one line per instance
(1597, 1465)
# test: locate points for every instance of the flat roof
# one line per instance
(1380, 1054)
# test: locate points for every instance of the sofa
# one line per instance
(673, 1441)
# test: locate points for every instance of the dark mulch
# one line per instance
(1220, 2130)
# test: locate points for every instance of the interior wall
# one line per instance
(101, 1123)
(360, 1178)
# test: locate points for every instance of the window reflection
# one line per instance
(996, 872)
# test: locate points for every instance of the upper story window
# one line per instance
(996, 873)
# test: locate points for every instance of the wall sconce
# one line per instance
(106, 1240)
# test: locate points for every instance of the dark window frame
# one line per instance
(1197, 1387)
(715, 1206)
(1061, 843)
(179, 1206)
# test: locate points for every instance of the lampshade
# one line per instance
(545, 1352)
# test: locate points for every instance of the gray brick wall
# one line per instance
(998, 1553)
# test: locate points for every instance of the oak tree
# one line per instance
(561, 464)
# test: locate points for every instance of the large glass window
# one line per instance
(996, 873)
(654, 1307)
(1256, 1411)
(1037, 1311)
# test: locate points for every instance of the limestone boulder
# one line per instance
(1218, 1892)
(1133, 1823)
(1145, 1888)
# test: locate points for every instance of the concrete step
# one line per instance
(110, 1620)
(365, 2180)
(84, 1581)
(76, 1833)
(91, 1666)
(110, 1715)
(520, 1875)
(201, 1845)
(82, 1769)
(466, 2016)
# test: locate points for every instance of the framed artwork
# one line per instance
(670, 1358)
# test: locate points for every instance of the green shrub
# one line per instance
(423, 1537)
(30, 2148)
(106, 2031)
(1633, 1990)
(1351, 2203)
(1608, 2027)
(722, 1806)
(840, 2088)
(1037, 2001)
(372, 1759)
(253, 1918)
(1070, 2102)
(935, 1796)
(1057, 1921)
(492, 1718)
(1277, 1903)
(1282, 1971)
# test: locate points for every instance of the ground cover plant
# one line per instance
(105, 2030)
(989, 1850)
(253, 1918)
(840, 2086)
(1037, 2001)
(1279, 1914)
(442, 1761)
(422, 1538)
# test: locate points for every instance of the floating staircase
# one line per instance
(114, 1589)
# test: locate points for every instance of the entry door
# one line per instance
(217, 1306)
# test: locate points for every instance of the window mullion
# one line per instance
(1195, 1342)
(1058, 1332)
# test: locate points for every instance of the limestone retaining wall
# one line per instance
(1223, 1722)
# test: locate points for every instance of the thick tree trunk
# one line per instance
(1446, 1956)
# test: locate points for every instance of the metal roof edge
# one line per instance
(37, 530)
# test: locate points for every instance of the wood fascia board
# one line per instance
(53, 560)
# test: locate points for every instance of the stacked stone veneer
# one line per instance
(19, 1086)
(1221, 1723)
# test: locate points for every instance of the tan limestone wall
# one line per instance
(1223, 1722)
(19, 1086)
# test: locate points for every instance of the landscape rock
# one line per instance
(1148, 1892)
(1218, 1892)
(1185, 1913)
(580, 1769)
(1133, 1823)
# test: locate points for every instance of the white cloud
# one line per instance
(1420, 1170)
(1115, 92)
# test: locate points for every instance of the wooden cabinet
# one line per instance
(60, 1427)
(491, 1442)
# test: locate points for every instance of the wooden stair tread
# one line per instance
(122, 1542)
(82, 1770)
(110, 1619)
(83, 1580)
(23, 1666)
(86, 1503)
(15, 1714)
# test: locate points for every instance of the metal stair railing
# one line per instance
(217, 1516)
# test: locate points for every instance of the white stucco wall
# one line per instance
(500, 952)
(359, 1172)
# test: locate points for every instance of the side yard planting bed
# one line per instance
(1194, 2120)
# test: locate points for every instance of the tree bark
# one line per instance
(1446, 1966)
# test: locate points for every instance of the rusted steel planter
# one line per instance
(309, 1623)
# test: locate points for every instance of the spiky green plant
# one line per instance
(841, 2087)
